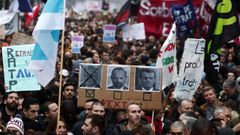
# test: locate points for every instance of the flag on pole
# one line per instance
(123, 15)
(224, 26)
(167, 58)
(46, 35)
(20, 6)
(30, 16)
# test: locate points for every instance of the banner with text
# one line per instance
(15, 63)
(156, 15)
(167, 58)
(109, 33)
(77, 43)
(185, 18)
(191, 68)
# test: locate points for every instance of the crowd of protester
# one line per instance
(211, 112)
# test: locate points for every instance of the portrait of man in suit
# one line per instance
(147, 80)
(119, 79)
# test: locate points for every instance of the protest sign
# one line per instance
(191, 68)
(15, 63)
(2, 32)
(93, 5)
(134, 32)
(77, 43)
(156, 15)
(22, 39)
(109, 33)
(167, 58)
(119, 98)
(185, 18)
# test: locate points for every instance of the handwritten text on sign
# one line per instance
(16, 75)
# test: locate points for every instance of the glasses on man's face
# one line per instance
(176, 133)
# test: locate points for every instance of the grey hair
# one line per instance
(218, 110)
(190, 121)
(178, 124)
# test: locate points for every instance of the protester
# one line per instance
(62, 128)
(212, 102)
(16, 126)
(30, 114)
(221, 114)
(133, 119)
(94, 125)
(50, 112)
(9, 109)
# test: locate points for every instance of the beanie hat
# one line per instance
(16, 123)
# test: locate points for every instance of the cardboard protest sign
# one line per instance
(77, 43)
(118, 86)
(2, 32)
(15, 63)
(109, 33)
(22, 39)
(191, 68)
(134, 32)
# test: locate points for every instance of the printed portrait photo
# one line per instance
(147, 79)
(118, 77)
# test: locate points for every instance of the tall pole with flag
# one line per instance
(224, 26)
(46, 35)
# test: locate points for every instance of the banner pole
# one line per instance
(60, 83)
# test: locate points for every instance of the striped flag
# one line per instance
(46, 35)
(167, 58)
(20, 6)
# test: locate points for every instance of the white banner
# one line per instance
(10, 20)
(167, 58)
(135, 31)
(191, 69)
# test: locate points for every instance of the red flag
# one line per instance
(123, 15)
(30, 16)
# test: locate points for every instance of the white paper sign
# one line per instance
(191, 69)
(135, 31)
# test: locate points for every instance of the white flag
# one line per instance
(167, 58)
